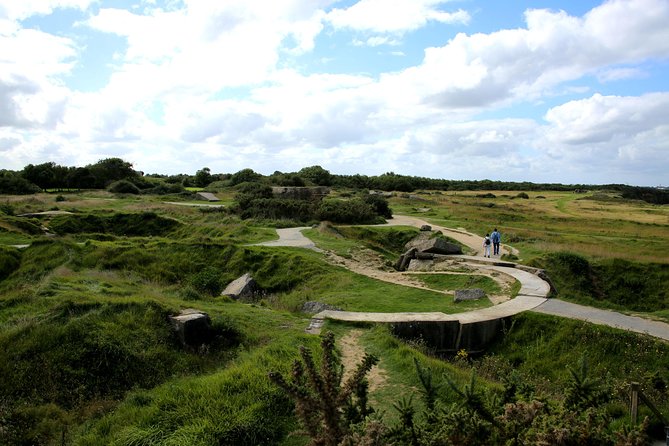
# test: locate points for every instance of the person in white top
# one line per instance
(486, 246)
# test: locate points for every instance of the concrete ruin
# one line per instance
(207, 196)
(243, 286)
(192, 327)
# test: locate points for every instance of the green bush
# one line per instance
(207, 281)
(354, 211)
(123, 187)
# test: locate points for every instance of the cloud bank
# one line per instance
(233, 84)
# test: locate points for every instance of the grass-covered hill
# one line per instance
(88, 355)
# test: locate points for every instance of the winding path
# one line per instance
(531, 297)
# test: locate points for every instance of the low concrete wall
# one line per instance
(449, 337)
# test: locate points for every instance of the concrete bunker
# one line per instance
(449, 337)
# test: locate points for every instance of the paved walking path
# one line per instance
(557, 307)
(531, 297)
(292, 237)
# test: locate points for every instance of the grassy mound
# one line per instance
(612, 283)
(131, 224)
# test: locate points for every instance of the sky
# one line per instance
(573, 92)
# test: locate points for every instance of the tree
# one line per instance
(108, 170)
(42, 175)
(244, 176)
(316, 175)
(203, 177)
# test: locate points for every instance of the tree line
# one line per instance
(51, 176)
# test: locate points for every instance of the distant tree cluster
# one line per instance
(256, 200)
(104, 173)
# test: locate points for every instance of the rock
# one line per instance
(193, 327)
(435, 245)
(426, 228)
(424, 255)
(471, 294)
(403, 262)
(313, 307)
(241, 287)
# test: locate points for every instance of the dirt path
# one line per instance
(352, 354)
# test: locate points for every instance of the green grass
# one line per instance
(458, 281)
(354, 292)
(86, 348)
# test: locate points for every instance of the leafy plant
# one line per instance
(322, 403)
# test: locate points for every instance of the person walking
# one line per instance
(486, 246)
(496, 237)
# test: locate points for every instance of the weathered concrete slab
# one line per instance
(469, 294)
(240, 287)
(207, 196)
(435, 246)
(192, 327)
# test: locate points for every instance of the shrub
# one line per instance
(354, 211)
(16, 185)
(207, 281)
(379, 204)
(522, 195)
(123, 187)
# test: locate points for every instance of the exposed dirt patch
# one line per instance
(352, 354)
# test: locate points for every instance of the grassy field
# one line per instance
(595, 225)
(87, 354)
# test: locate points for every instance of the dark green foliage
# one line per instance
(353, 211)
(130, 224)
(316, 175)
(582, 390)
(207, 281)
(203, 177)
(16, 185)
(10, 259)
(279, 209)
(245, 176)
(165, 189)
(123, 187)
(379, 204)
(321, 401)
(480, 418)
(287, 180)
(522, 195)
(108, 170)
(7, 208)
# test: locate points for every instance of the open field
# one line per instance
(595, 225)
(87, 354)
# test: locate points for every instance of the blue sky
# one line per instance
(542, 91)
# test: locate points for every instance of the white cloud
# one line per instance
(523, 64)
(395, 16)
(22, 9)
